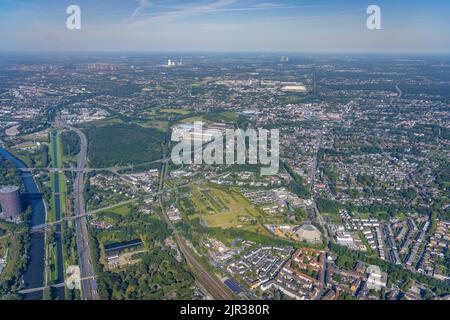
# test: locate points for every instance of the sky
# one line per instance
(308, 26)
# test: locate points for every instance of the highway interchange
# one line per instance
(206, 279)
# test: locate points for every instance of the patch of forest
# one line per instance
(123, 144)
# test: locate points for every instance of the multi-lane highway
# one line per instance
(205, 277)
(88, 285)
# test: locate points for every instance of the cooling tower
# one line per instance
(10, 202)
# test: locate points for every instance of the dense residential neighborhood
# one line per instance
(358, 208)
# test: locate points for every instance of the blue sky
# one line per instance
(413, 26)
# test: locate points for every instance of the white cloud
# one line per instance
(189, 11)
(267, 5)
(142, 5)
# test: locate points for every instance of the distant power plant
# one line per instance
(10, 203)
(171, 63)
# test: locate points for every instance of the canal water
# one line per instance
(34, 275)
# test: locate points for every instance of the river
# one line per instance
(34, 275)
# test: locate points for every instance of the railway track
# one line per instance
(215, 287)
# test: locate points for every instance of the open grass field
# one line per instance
(51, 246)
(50, 151)
(59, 148)
(195, 119)
(106, 122)
(218, 207)
(11, 245)
(21, 155)
(331, 217)
(228, 116)
(52, 269)
(61, 176)
(175, 111)
(3, 246)
(62, 193)
(224, 117)
(51, 214)
(123, 210)
(157, 124)
(41, 136)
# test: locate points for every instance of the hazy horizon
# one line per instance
(281, 26)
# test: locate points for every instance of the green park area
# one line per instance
(123, 210)
(52, 262)
(156, 124)
(51, 216)
(56, 160)
(213, 117)
(13, 243)
(7, 246)
(123, 144)
(219, 207)
(224, 214)
(175, 111)
(23, 156)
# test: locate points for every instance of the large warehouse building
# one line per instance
(10, 202)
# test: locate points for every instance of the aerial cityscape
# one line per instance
(239, 174)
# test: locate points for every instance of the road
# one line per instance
(59, 285)
(392, 103)
(319, 217)
(89, 285)
(88, 169)
(41, 227)
(399, 92)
